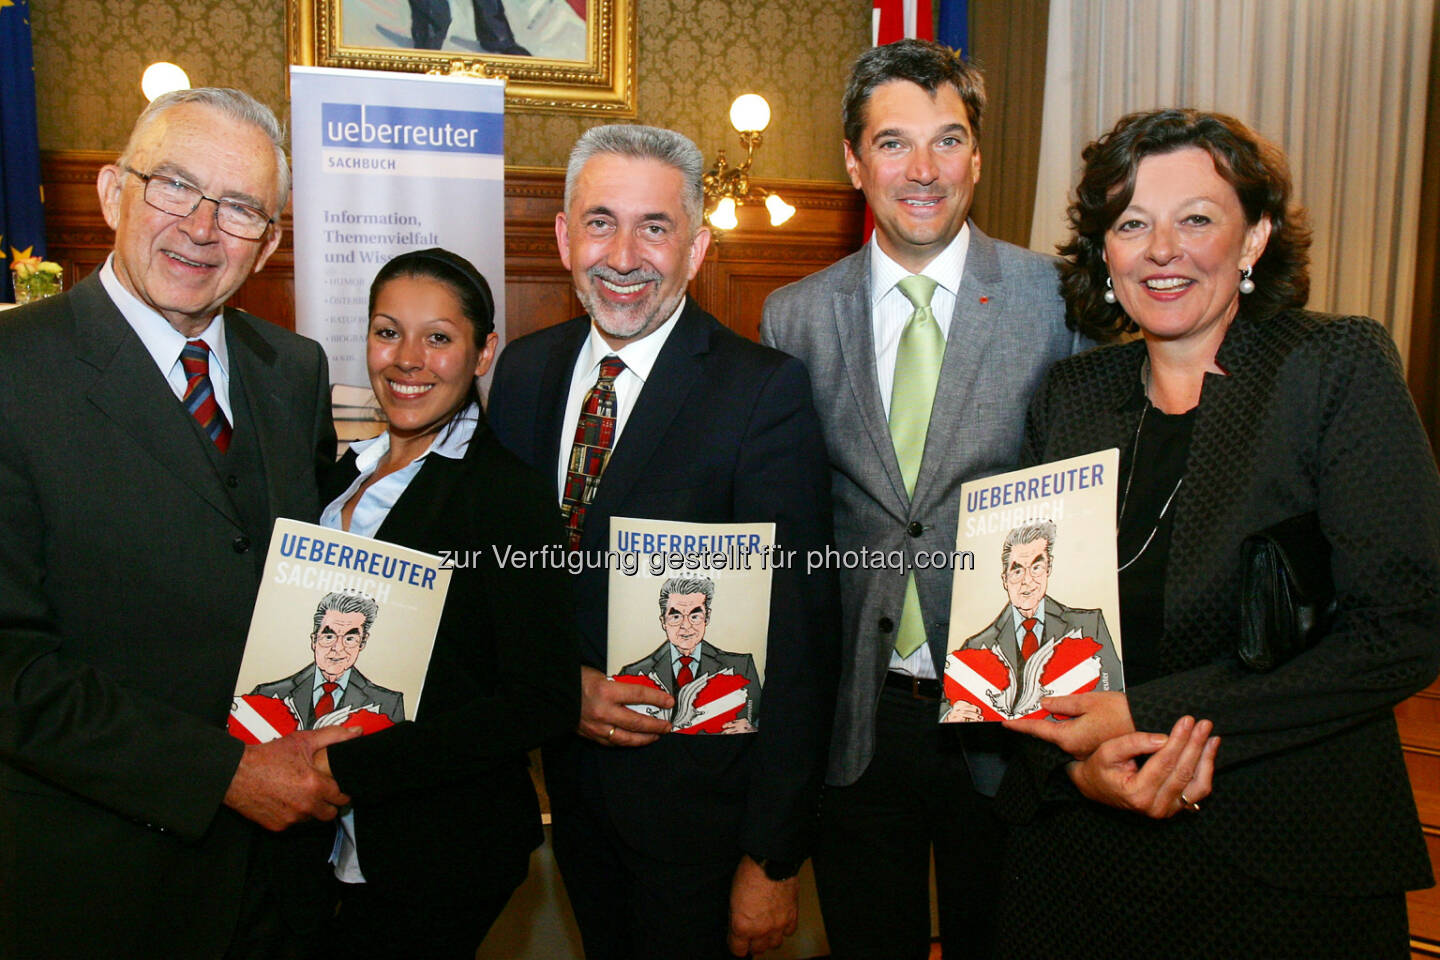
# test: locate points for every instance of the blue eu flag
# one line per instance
(954, 27)
(22, 214)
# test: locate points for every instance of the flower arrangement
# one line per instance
(35, 278)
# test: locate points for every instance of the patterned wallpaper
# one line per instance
(695, 56)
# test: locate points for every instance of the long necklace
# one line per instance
(1125, 497)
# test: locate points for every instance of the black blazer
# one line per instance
(1310, 791)
(504, 676)
(127, 579)
(723, 431)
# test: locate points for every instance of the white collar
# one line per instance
(639, 355)
(451, 442)
(161, 340)
(946, 269)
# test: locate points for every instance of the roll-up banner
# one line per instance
(385, 163)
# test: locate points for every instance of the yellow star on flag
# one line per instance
(3, 5)
(25, 254)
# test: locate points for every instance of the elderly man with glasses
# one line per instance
(149, 437)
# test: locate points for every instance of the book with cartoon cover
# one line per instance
(689, 615)
(1047, 534)
(341, 634)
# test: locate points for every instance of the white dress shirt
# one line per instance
(639, 358)
(890, 309)
(164, 342)
(889, 312)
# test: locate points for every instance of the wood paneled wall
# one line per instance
(743, 265)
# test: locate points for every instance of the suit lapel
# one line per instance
(1055, 622)
(304, 697)
(130, 390)
(252, 362)
(357, 691)
(856, 336)
(979, 287)
(1006, 640)
(1225, 433)
(550, 433)
(665, 668)
(670, 382)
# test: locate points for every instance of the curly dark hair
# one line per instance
(923, 62)
(1256, 168)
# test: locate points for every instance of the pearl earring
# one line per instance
(1110, 294)
(1246, 284)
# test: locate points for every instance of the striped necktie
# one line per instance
(199, 396)
(594, 439)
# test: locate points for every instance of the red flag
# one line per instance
(258, 719)
(894, 20)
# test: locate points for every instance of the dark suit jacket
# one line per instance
(300, 688)
(453, 788)
(722, 432)
(1007, 328)
(712, 660)
(1059, 620)
(1310, 788)
(127, 579)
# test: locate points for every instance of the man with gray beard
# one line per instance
(673, 845)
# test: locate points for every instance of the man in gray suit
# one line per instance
(924, 348)
(341, 630)
(149, 437)
(685, 657)
(1032, 619)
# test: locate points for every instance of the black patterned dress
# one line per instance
(1310, 838)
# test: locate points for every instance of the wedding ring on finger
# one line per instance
(1189, 804)
(611, 732)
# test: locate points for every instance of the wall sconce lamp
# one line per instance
(162, 77)
(727, 187)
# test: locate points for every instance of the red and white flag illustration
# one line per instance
(650, 680)
(258, 719)
(705, 704)
(983, 678)
(718, 699)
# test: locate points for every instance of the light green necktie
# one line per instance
(917, 371)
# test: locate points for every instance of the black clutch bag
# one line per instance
(1287, 597)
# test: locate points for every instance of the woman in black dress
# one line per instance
(1288, 830)
(444, 811)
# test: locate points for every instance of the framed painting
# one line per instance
(559, 56)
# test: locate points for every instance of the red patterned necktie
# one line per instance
(199, 396)
(1030, 644)
(326, 703)
(594, 439)
(685, 675)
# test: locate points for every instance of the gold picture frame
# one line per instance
(564, 74)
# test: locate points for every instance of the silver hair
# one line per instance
(236, 104)
(645, 143)
(1029, 533)
(684, 585)
(346, 603)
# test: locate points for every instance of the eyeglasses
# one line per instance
(179, 199)
(349, 641)
(1035, 571)
(674, 618)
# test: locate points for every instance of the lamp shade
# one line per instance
(162, 77)
(723, 216)
(750, 112)
(780, 211)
